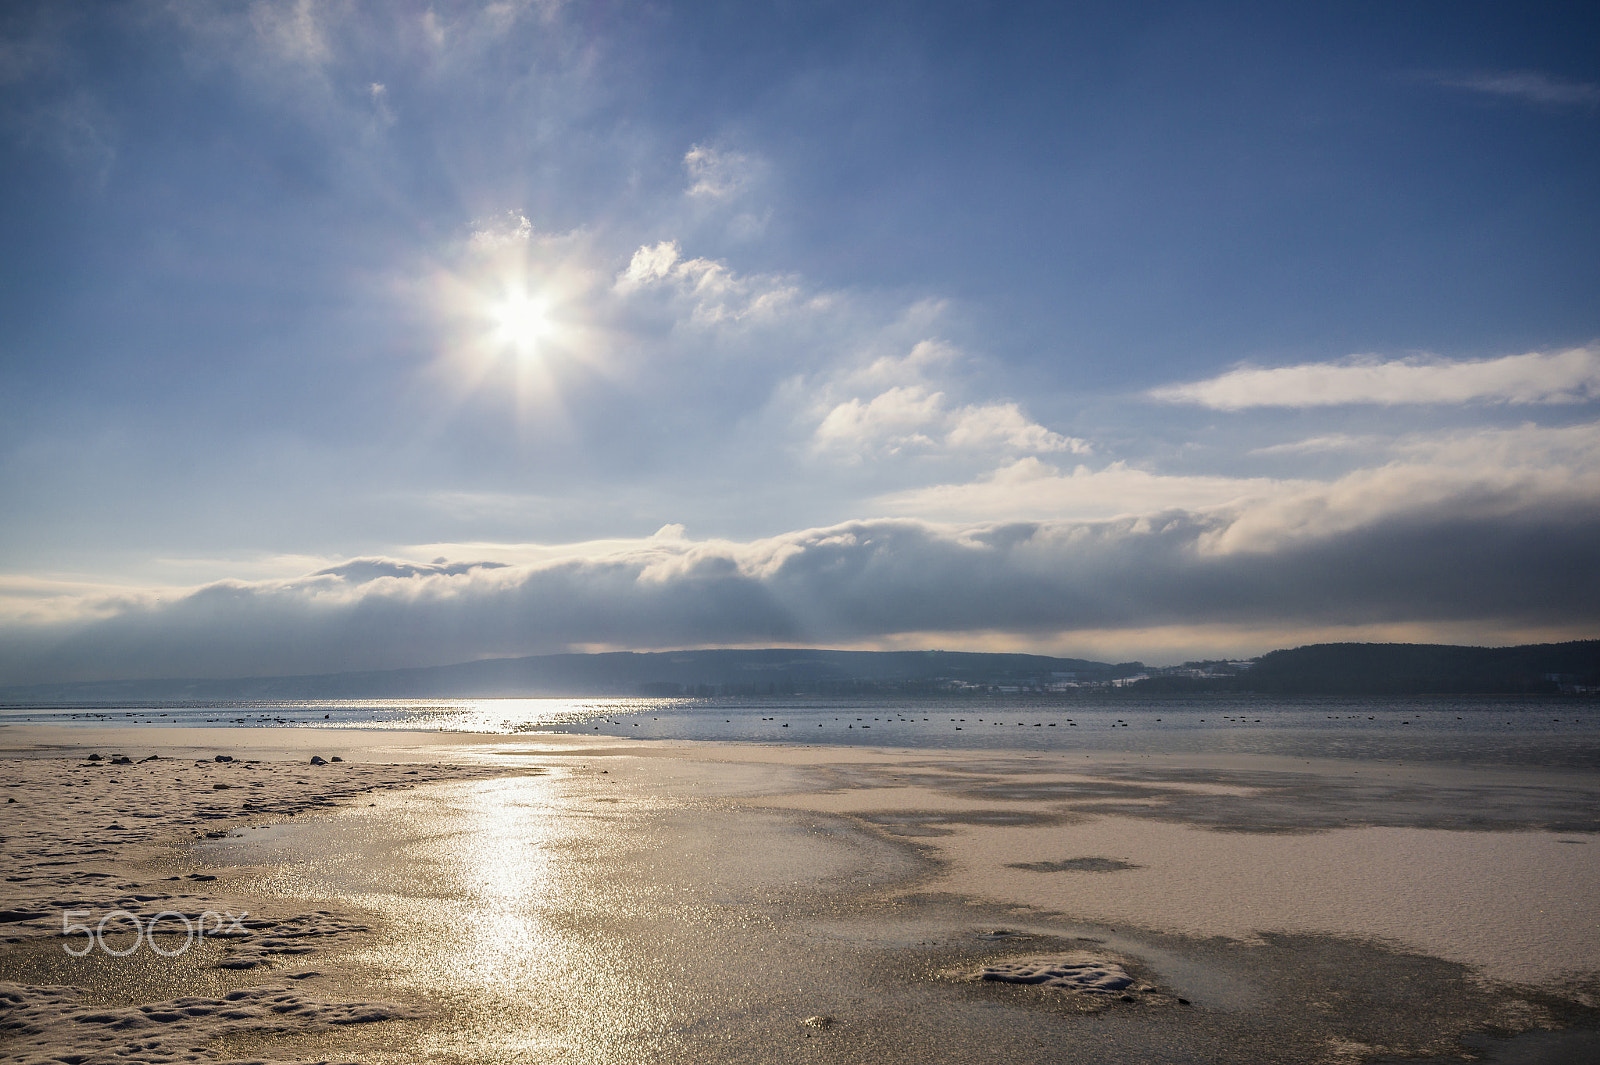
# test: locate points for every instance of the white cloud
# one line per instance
(714, 292)
(909, 418)
(433, 30)
(1530, 86)
(1004, 426)
(927, 358)
(1500, 474)
(1571, 376)
(508, 231)
(26, 599)
(892, 421)
(650, 263)
(1503, 471)
(1030, 489)
(898, 409)
(1331, 442)
(523, 554)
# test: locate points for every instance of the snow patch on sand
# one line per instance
(1078, 971)
(48, 1025)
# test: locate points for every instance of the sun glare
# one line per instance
(520, 321)
(516, 325)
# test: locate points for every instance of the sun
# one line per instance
(520, 320)
(517, 326)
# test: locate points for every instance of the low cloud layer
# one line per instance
(1571, 376)
(1503, 564)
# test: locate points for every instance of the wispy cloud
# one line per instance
(509, 230)
(1571, 376)
(1528, 86)
(31, 45)
(1499, 470)
(1032, 489)
(294, 31)
(719, 174)
(1325, 444)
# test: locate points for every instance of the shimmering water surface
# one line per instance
(623, 909)
(1543, 730)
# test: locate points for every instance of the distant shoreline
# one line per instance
(1569, 669)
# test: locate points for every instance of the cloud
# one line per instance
(1004, 425)
(1529, 86)
(382, 114)
(656, 344)
(292, 30)
(892, 421)
(715, 174)
(362, 570)
(1032, 489)
(721, 185)
(1499, 554)
(1503, 475)
(899, 410)
(715, 293)
(650, 263)
(1500, 470)
(1571, 376)
(338, 72)
(511, 230)
(1314, 445)
(910, 418)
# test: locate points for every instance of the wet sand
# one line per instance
(458, 898)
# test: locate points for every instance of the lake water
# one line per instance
(1546, 730)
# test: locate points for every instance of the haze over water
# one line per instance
(1502, 730)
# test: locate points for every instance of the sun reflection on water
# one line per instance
(493, 911)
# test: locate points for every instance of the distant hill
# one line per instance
(1320, 669)
(780, 671)
(1408, 668)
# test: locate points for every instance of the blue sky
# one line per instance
(350, 335)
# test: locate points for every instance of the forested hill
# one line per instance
(1321, 669)
(1404, 668)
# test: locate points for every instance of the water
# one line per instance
(1542, 730)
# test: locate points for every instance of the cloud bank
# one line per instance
(1508, 557)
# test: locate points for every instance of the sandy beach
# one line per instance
(468, 898)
